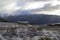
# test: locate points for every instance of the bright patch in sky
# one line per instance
(56, 12)
(34, 5)
(40, 6)
(11, 7)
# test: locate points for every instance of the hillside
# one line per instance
(3, 20)
(35, 19)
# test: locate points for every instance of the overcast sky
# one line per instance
(50, 7)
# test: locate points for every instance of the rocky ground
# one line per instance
(29, 32)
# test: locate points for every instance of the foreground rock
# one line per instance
(15, 31)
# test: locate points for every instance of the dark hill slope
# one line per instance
(3, 20)
(35, 19)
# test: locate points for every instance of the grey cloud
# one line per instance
(41, 0)
(47, 7)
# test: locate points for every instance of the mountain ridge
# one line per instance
(35, 19)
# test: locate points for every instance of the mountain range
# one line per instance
(37, 19)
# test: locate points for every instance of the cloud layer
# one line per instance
(50, 7)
